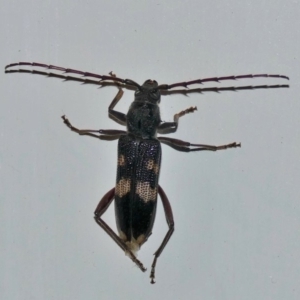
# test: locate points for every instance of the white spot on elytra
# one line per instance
(146, 193)
(151, 165)
(135, 244)
(122, 187)
(121, 160)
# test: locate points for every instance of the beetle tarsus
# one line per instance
(66, 121)
(137, 262)
(152, 274)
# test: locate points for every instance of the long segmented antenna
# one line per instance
(225, 89)
(160, 87)
(67, 70)
(217, 79)
(163, 92)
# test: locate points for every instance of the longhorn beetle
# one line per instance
(139, 153)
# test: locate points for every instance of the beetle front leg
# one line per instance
(170, 222)
(170, 127)
(113, 114)
(116, 115)
(100, 210)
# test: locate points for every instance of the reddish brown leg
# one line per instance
(170, 127)
(100, 210)
(91, 132)
(115, 115)
(170, 222)
(187, 147)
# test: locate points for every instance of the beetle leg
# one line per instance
(183, 146)
(170, 222)
(105, 134)
(100, 210)
(170, 127)
(116, 115)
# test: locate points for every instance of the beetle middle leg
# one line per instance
(103, 133)
(183, 146)
(100, 210)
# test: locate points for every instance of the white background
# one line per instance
(237, 212)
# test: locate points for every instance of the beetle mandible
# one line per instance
(139, 154)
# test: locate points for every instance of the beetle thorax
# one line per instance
(143, 116)
(143, 119)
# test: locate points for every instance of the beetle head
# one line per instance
(148, 92)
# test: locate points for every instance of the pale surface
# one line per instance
(237, 225)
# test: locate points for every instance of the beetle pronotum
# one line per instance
(139, 152)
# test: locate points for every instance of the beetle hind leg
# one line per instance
(170, 222)
(100, 210)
